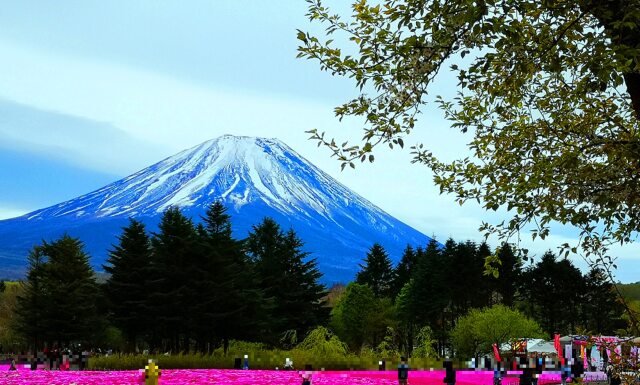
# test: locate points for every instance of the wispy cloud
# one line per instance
(147, 105)
(82, 142)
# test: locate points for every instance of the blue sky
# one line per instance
(92, 91)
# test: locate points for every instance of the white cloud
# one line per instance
(175, 115)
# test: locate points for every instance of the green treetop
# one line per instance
(126, 289)
(479, 329)
(377, 272)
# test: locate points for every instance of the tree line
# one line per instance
(185, 288)
(420, 302)
(194, 287)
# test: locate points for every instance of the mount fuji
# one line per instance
(253, 177)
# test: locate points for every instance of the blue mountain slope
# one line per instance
(254, 177)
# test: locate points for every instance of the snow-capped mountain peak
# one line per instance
(235, 169)
(253, 177)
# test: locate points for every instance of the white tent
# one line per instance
(540, 346)
(534, 345)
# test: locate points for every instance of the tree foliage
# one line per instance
(172, 299)
(404, 269)
(377, 272)
(353, 317)
(59, 301)
(546, 282)
(424, 343)
(322, 342)
(600, 308)
(126, 289)
(229, 297)
(8, 304)
(288, 277)
(509, 272)
(549, 91)
(477, 331)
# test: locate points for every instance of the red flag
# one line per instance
(496, 353)
(558, 346)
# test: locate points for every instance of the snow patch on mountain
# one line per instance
(238, 170)
(253, 177)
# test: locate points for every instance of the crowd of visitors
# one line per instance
(54, 358)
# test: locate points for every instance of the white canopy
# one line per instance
(540, 346)
(534, 345)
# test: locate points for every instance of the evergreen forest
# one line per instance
(195, 288)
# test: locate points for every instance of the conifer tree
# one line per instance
(403, 271)
(286, 279)
(482, 281)
(469, 286)
(459, 269)
(602, 312)
(509, 274)
(172, 298)
(231, 302)
(126, 290)
(553, 291)
(377, 272)
(304, 291)
(30, 319)
(430, 290)
(60, 294)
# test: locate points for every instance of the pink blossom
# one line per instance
(24, 376)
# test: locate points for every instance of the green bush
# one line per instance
(258, 359)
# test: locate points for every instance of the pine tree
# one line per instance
(172, 299)
(510, 271)
(30, 320)
(482, 282)
(460, 270)
(231, 302)
(60, 294)
(430, 295)
(601, 312)
(377, 272)
(304, 291)
(72, 290)
(403, 271)
(465, 270)
(126, 288)
(286, 279)
(553, 291)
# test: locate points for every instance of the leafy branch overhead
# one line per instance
(549, 92)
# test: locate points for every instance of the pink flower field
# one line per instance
(252, 377)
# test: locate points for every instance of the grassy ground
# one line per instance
(258, 359)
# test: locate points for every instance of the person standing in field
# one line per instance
(403, 371)
(306, 378)
(450, 373)
(306, 374)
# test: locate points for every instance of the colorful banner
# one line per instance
(558, 346)
(520, 345)
(496, 352)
